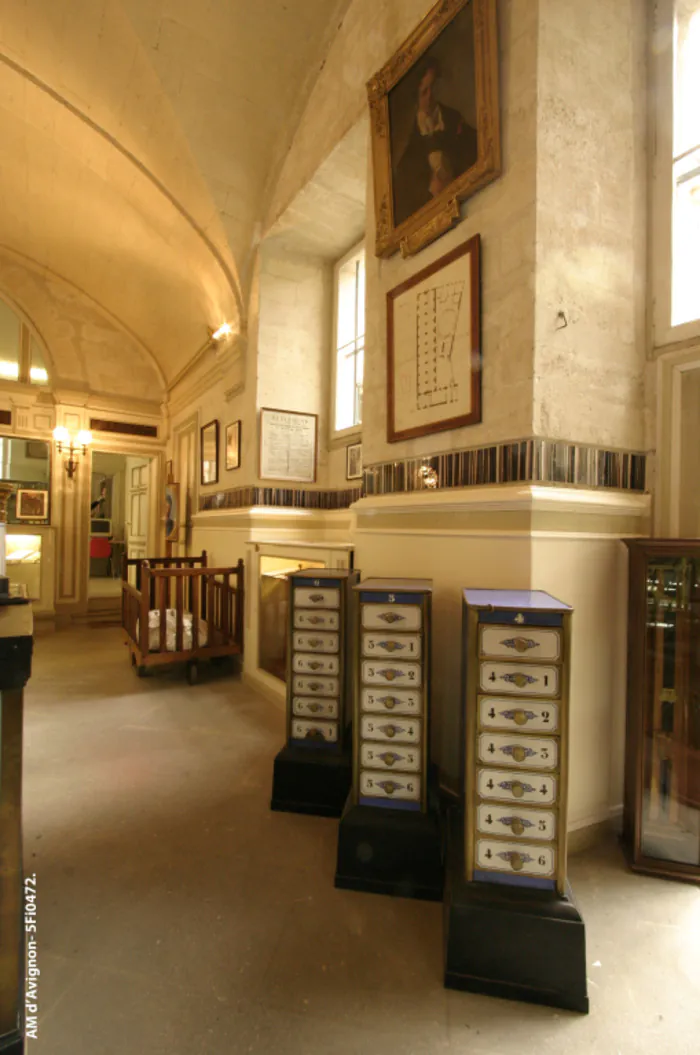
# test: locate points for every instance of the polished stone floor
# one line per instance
(179, 916)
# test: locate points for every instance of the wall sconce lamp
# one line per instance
(225, 330)
(64, 440)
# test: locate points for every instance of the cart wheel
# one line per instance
(141, 671)
(192, 673)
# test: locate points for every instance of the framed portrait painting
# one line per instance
(233, 445)
(434, 113)
(172, 512)
(209, 453)
(31, 505)
(434, 347)
(353, 462)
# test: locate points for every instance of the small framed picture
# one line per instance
(172, 511)
(32, 505)
(353, 462)
(233, 445)
(209, 453)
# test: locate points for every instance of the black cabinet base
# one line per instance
(521, 946)
(388, 851)
(306, 780)
(11, 1044)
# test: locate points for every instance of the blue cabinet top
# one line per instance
(523, 600)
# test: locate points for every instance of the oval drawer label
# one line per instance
(509, 750)
(315, 686)
(390, 786)
(301, 663)
(401, 730)
(314, 708)
(397, 757)
(311, 597)
(315, 642)
(533, 643)
(516, 821)
(391, 701)
(318, 731)
(319, 620)
(535, 716)
(389, 672)
(517, 787)
(515, 858)
(391, 617)
(521, 680)
(403, 646)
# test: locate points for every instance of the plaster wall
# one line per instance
(591, 222)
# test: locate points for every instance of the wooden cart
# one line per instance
(177, 610)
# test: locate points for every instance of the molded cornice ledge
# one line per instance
(519, 498)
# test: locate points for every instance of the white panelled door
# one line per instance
(137, 507)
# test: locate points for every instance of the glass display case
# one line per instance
(661, 828)
(23, 563)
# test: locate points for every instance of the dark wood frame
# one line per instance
(300, 414)
(438, 215)
(44, 518)
(187, 585)
(234, 425)
(203, 429)
(640, 552)
(472, 247)
(351, 447)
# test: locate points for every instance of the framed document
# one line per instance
(288, 445)
(209, 453)
(434, 347)
(353, 462)
(233, 445)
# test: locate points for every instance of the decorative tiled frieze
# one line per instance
(294, 498)
(521, 461)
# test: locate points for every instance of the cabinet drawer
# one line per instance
(304, 641)
(312, 685)
(391, 616)
(530, 679)
(314, 708)
(319, 731)
(396, 701)
(516, 787)
(404, 730)
(504, 749)
(390, 672)
(377, 756)
(535, 716)
(305, 619)
(312, 597)
(302, 663)
(516, 821)
(531, 643)
(400, 786)
(515, 858)
(403, 646)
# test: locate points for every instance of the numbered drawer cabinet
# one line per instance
(516, 753)
(319, 667)
(392, 692)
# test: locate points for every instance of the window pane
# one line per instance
(686, 97)
(361, 297)
(686, 239)
(38, 374)
(9, 343)
(345, 392)
(346, 304)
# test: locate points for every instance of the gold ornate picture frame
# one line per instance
(434, 112)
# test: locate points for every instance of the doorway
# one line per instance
(120, 488)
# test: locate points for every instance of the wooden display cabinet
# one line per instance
(661, 826)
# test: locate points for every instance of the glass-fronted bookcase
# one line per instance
(661, 828)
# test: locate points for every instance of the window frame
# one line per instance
(340, 437)
(663, 332)
(27, 334)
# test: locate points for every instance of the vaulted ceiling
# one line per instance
(140, 140)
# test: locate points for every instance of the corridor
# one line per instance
(178, 916)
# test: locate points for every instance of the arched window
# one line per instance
(21, 356)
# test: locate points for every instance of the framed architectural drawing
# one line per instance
(233, 445)
(32, 505)
(209, 453)
(434, 113)
(434, 347)
(288, 445)
(353, 462)
(172, 512)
